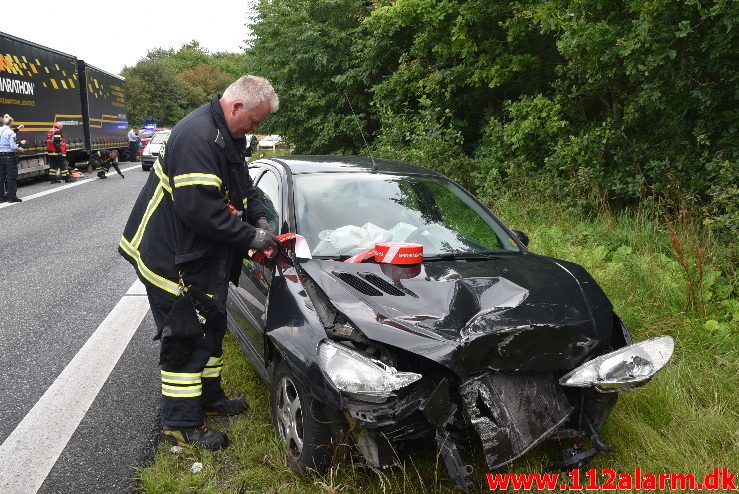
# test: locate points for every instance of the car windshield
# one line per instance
(346, 213)
(160, 137)
(145, 134)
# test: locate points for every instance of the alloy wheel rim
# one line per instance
(289, 412)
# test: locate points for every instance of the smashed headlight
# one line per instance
(626, 368)
(359, 376)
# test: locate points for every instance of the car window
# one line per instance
(346, 213)
(145, 134)
(160, 137)
(269, 193)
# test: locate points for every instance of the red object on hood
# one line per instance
(392, 253)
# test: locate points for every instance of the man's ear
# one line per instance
(238, 105)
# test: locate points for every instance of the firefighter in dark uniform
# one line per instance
(196, 218)
(56, 151)
(102, 160)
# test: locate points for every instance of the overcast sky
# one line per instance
(110, 35)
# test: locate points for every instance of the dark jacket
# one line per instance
(100, 157)
(181, 221)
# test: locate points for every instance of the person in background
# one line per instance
(56, 152)
(195, 219)
(252, 144)
(8, 161)
(102, 160)
(133, 143)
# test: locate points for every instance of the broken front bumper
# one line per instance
(512, 413)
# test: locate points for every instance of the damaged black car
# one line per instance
(401, 309)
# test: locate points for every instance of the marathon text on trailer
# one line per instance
(16, 86)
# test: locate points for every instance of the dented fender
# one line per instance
(294, 331)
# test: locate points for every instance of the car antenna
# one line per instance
(374, 165)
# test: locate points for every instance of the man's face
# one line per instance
(244, 122)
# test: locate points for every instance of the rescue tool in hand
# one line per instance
(263, 240)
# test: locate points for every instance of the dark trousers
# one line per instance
(56, 162)
(132, 149)
(102, 168)
(8, 175)
(200, 375)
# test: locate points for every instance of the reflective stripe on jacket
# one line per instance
(180, 222)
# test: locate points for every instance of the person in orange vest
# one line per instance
(56, 151)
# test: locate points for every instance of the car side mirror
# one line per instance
(522, 237)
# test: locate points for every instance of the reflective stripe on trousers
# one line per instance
(186, 388)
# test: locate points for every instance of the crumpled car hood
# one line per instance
(523, 312)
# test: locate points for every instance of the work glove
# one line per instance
(264, 224)
(263, 240)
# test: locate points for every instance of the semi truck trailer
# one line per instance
(40, 86)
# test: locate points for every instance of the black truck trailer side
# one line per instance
(103, 108)
(40, 86)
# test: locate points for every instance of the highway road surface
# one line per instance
(79, 393)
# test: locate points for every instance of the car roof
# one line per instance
(328, 164)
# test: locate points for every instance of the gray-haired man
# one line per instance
(197, 216)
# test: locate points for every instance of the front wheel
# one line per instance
(300, 424)
(146, 168)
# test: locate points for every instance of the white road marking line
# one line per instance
(137, 288)
(57, 189)
(29, 453)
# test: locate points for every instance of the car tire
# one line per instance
(146, 168)
(300, 424)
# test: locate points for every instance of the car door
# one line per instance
(255, 279)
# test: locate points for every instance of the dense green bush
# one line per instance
(607, 101)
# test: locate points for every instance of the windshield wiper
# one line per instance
(466, 256)
(338, 257)
(446, 256)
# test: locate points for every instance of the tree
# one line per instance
(203, 81)
(168, 84)
(305, 48)
(154, 92)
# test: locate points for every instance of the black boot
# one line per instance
(196, 436)
(227, 407)
(3, 199)
(14, 199)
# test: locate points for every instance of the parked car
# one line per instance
(145, 136)
(151, 151)
(270, 142)
(479, 340)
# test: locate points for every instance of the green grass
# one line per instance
(685, 420)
